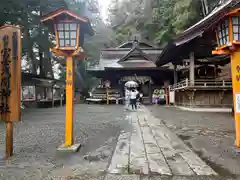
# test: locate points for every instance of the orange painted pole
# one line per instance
(69, 102)
(235, 66)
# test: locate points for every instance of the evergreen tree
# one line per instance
(154, 20)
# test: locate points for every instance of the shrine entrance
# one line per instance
(145, 85)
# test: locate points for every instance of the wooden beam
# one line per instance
(9, 138)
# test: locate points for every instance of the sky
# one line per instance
(104, 7)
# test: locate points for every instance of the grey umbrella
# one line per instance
(131, 84)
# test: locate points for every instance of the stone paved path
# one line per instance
(210, 135)
(138, 177)
(151, 148)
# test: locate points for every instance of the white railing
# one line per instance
(202, 83)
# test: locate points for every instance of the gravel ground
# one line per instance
(41, 132)
(210, 135)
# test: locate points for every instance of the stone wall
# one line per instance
(204, 98)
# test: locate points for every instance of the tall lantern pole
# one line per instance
(228, 38)
(69, 30)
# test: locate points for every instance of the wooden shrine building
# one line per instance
(132, 61)
(200, 78)
(41, 91)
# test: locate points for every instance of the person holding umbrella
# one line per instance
(132, 85)
(133, 99)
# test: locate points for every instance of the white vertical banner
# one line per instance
(172, 97)
(237, 96)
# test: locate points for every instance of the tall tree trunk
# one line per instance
(48, 66)
(30, 54)
(40, 54)
(40, 48)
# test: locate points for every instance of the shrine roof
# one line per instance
(129, 45)
(114, 63)
(206, 23)
(123, 57)
(137, 53)
(200, 37)
(142, 44)
(32, 79)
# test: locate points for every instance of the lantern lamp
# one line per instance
(69, 29)
(228, 38)
(66, 35)
(228, 33)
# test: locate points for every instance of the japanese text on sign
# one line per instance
(69, 73)
(5, 90)
(69, 82)
(238, 73)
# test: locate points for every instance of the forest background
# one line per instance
(156, 21)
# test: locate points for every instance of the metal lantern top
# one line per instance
(228, 33)
(68, 28)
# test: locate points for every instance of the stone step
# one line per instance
(120, 160)
(151, 148)
(138, 163)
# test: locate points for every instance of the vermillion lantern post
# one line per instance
(228, 38)
(69, 30)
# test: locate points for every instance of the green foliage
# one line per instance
(155, 20)
(84, 82)
(28, 13)
(37, 40)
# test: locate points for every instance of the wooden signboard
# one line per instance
(10, 72)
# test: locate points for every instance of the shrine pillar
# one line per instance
(150, 92)
(192, 69)
(166, 89)
(175, 75)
